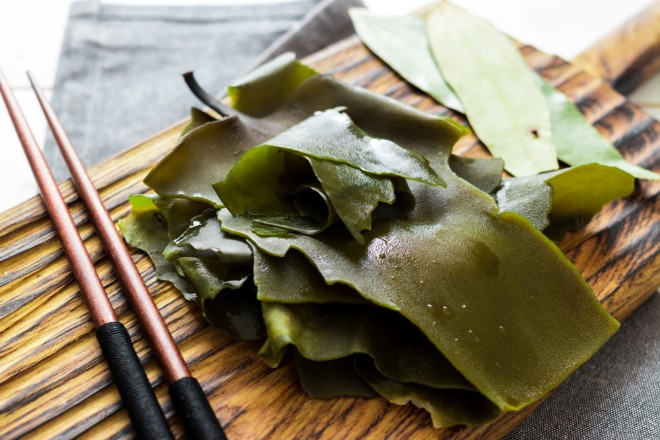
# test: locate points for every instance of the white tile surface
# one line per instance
(31, 34)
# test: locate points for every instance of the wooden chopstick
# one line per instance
(187, 394)
(146, 415)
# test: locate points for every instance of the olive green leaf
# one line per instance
(204, 238)
(447, 407)
(339, 379)
(401, 43)
(327, 135)
(484, 173)
(197, 119)
(502, 101)
(178, 213)
(474, 267)
(334, 331)
(199, 278)
(354, 194)
(260, 92)
(338, 139)
(347, 163)
(578, 142)
(146, 228)
(293, 279)
(202, 157)
(564, 199)
(493, 298)
(228, 300)
(397, 41)
(315, 212)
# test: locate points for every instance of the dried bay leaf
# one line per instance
(578, 142)
(505, 107)
(401, 43)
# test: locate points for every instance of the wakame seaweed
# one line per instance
(345, 232)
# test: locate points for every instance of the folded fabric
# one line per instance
(119, 75)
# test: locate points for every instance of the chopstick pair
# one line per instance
(137, 395)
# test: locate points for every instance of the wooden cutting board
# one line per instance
(53, 382)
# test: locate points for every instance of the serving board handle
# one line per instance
(629, 55)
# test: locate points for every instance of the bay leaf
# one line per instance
(401, 43)
(578, 142)
(505, 107)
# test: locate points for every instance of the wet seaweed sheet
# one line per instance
(484, 307)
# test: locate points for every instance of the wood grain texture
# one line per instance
(629, 55)
(53, 382)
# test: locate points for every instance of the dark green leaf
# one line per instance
(564, 199)
(293, 279)
(146, 228)
(202, 157)
(484, 173)
(339, 379)
(260, 92)
(353, 193)
(454, 250)
(448, 407)
(228, 300)
(334, 331)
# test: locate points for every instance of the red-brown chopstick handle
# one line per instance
(189, 399)
(137, 395)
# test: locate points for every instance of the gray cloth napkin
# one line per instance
(119, 76)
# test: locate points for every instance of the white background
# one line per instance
(31, 33)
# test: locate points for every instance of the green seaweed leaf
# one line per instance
(353, 193)
(564, 199)
(484, 173)
(401, 43)
(493, 298)
(487, 262)
(447, 407)
(260, 92)
(352, 168)
(293, 279)
(146, 228)
(334, 331)
(339, 379)
(228, 300)
(202, 157)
